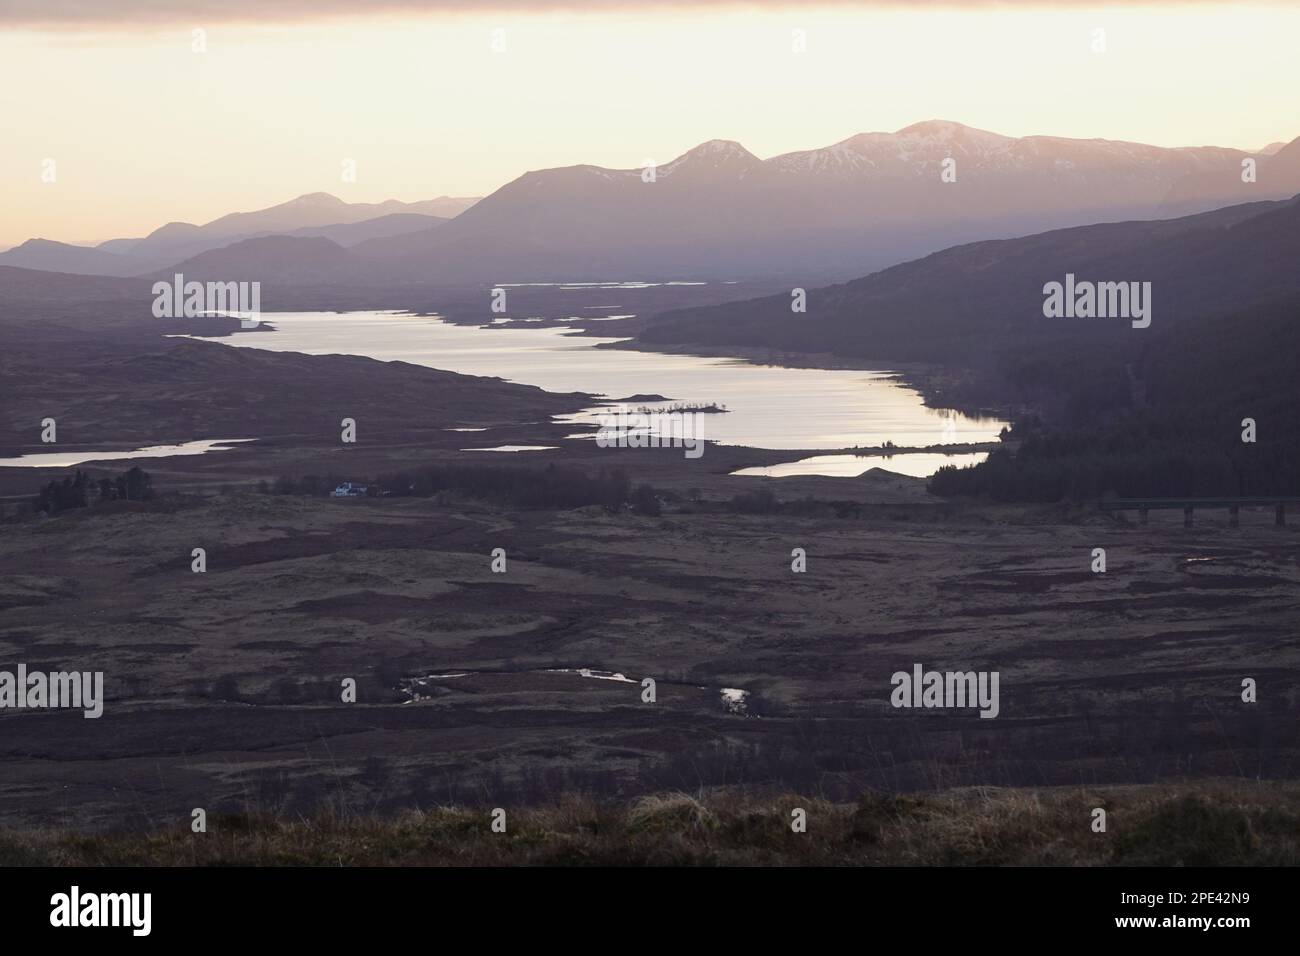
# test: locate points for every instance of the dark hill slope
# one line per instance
(974, 299)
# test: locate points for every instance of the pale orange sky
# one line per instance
(144, 130)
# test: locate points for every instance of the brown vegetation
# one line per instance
(1217, 823)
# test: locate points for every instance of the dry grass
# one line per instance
(1214, 823)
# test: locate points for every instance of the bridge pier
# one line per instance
(1142, 514)
(1234, 517)
(1281, 514)
(1187, 517)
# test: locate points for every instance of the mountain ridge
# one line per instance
(866, 202)
(986, 295)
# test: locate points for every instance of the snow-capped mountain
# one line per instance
(847, 209)
(721, 157)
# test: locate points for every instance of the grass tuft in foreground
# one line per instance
(1225, 823)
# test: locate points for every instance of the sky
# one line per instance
(145, 125)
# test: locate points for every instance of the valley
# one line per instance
(223, 688)
(426, 580)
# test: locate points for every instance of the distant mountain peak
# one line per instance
(913, 147)
(948, 131)
(715, 154)
(317, 199)
(714, 146)
(935, 126)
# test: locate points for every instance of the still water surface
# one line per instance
(768, 406)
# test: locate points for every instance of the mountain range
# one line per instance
(867, 202)
(310, 216)
(178, 240)
(717, 211)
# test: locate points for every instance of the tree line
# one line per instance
(78, 490)
(1209, 409)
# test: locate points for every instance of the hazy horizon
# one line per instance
(425, 107)
(338, 193)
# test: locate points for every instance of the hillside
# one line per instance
(42, 289)
(1165, 422)
(310, 211)
(1100, 407)
(872, 200)
(978, 298)
(280, 259)
(392, 224)
(1219, 823)
(50, 256)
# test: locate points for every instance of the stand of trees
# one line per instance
(75, 491)
(1168, 420)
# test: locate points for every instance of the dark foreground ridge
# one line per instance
(1215, 823)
